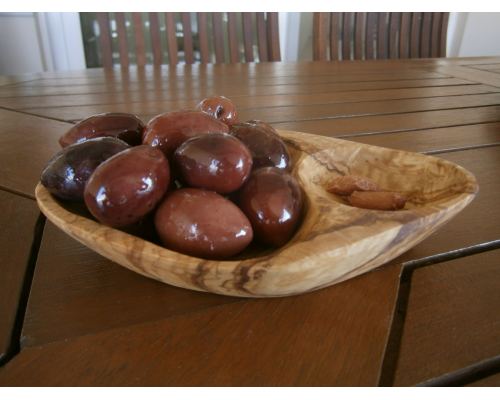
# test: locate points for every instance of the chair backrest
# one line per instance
(213, 31)
(363, 36)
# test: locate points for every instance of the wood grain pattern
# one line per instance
(17, 219)
(444, 299)
(20, 134)
(480, 217)
(301, 266)
(333, 337)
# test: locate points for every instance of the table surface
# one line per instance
(431, 317)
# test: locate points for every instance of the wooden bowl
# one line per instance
(335, 241)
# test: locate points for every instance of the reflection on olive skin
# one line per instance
(126, 187)
(126, 127)
(272, 201)
(202, 223)
(265, 145)
(67, 172)
(218, 162)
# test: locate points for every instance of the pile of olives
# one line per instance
(211, 184)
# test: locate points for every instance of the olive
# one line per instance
(272, 201)
(126, 127)
(67, 172)
(203, 224)
(221, 108)
(218, 162)
(265, 145)
(168, 131)
(127, 186)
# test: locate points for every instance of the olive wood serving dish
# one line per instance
(335, 241)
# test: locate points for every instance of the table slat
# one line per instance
(26, 145)
(334, 336)
(445, 299)
(17, 219)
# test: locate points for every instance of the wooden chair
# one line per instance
(265, 25)
(363, 36)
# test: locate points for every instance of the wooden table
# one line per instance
(432, 317)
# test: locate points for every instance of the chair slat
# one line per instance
(218, 37)
(139, 39)
(105, 40)
(187, 38)
(371, 35)
(416, 26)
(404, 35)
(394, 29)
(347, 35)
(335, 35)
(248, 36)
(436, 33)
(359, 38)
(172, 48)
(262, 37)
(122, 39)
(233, 38)
(320, 26)
(154, 26)
(383, 35)
(425, 35)
(444, 34)
(203, 37)
(273, 36)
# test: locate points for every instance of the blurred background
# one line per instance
(37, 42)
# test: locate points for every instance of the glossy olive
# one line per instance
(67, 172)
(127, 186)
(272, 200)
(126, 127)
(221, 108)
(218, 162)
(202, 223)
(168, 131)
(265, 145)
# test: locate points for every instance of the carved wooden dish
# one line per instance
(335, 241)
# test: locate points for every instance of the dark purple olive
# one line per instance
(168, 131)
(126, 127)
(265, 145)
(67, 172)
(217, 162)
(272, 201)
(203, 224)
(221, 108)
(127, 186)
